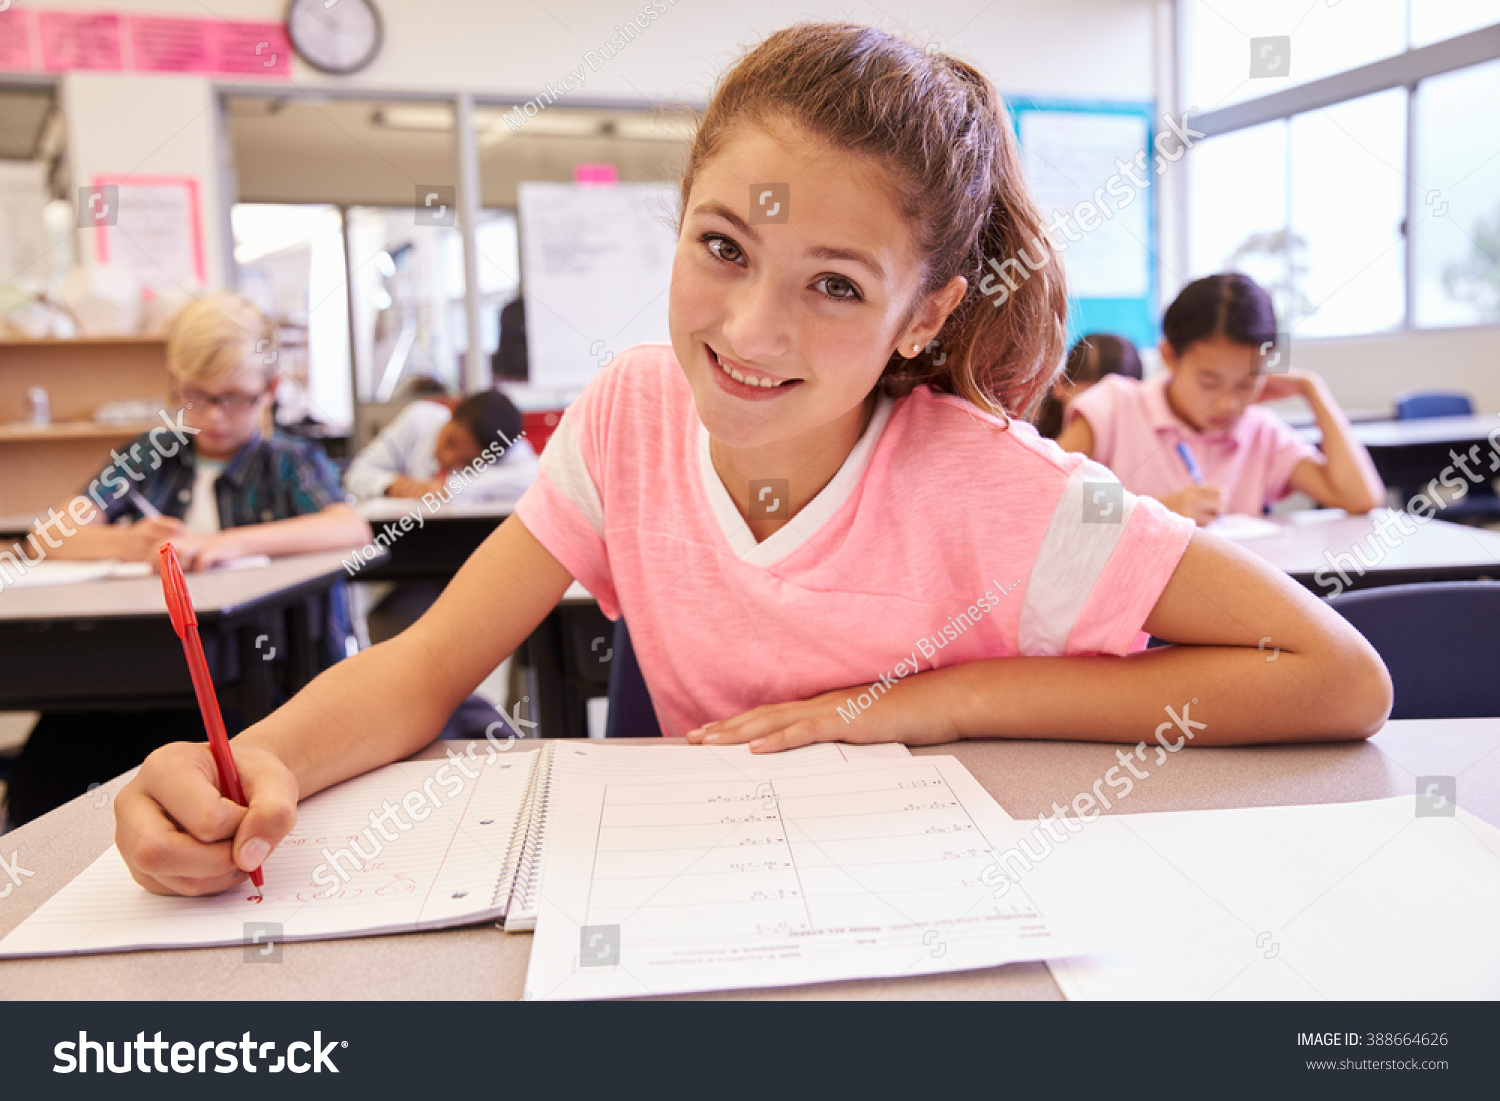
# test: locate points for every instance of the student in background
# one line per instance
(1193, 435)
(1089, 360)
(231, 490)
(418, 452)
(900, 509)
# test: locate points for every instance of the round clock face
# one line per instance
(336, 36)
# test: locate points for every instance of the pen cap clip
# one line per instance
(174, 586)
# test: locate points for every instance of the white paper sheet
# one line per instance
(441, 871)
(763, 879)
(1343, 901)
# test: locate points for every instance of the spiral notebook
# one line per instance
(415, 845)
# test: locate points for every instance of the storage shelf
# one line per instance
(72, 430)
(77, 341)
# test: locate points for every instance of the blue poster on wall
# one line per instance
(1089, 166)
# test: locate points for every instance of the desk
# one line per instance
(1409, 453)
(1435, 551)
(103, 645)
(483, 963)
(436, 550)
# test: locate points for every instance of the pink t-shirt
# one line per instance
(1136, 435)
(944, 538)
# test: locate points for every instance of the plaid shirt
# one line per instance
(270, 478)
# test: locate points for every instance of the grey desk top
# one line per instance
(1411, 433)
(213, 591)
(379, 510)
(1305, 538)
(483, 963)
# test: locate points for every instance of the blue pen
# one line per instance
(1195, 472)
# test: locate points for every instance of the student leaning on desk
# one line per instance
(232, 489)
(222, 488)
(793, 505)
(1194, 436)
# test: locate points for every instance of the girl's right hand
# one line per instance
(179, 836)
(1201, 504)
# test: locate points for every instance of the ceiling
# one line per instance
(353, 152)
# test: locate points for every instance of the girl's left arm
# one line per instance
(1348, 479)
(336, 527)
(1259, 659)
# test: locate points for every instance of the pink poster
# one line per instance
(163, 45)
(79, 40)
(15, 40)
(250, 49)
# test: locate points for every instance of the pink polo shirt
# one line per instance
(1136, 433)
(943, 538)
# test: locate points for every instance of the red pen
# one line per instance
(185, 623)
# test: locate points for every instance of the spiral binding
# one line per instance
(521, 912)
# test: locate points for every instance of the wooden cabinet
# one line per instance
(41, 465)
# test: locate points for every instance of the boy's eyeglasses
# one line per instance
(231, 401)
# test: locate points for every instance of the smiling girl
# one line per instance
(820, 472)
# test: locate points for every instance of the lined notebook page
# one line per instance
(586, 758)
(668, 884)
(444, 870)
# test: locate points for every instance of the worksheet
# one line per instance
(715, 881)
(437, 860)
(1366, 900)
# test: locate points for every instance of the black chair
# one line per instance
(630, 712)
(1480, 503)
(1439, 642)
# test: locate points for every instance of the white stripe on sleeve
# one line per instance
(562, 463)
(1085, 529)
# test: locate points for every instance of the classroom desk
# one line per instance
(103, 645)
(1411, 452)
(480, 962)
(1435, 551)
(436, 550)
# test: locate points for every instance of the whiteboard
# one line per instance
(596, 265)
(1069, 156)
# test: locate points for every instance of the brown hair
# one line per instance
(939, 128)
(1089, 360)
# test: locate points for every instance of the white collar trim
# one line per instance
(803, 526)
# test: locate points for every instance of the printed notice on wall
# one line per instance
(156, 236)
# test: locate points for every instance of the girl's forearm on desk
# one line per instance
(1222, 696)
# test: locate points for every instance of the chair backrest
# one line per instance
(631, 714)
(1439, 642)
(1417, 404)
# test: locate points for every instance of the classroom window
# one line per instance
(1237, 208)
(1456, 223)
(1325, 39)
(1347, 193)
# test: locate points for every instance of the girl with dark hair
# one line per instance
(1089, 360)
(1194, 436)
(820, 485)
